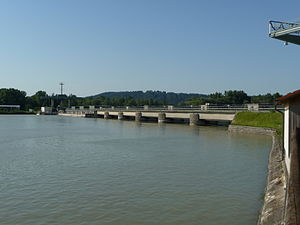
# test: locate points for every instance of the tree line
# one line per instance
(11, 96)
(120, 101)
(160, 96)
(233, 97)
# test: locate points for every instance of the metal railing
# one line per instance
(203, 108)
(280, 27)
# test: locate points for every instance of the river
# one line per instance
(64, 170)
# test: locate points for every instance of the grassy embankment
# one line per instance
(258, 119)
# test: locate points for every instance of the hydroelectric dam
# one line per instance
(160, 115)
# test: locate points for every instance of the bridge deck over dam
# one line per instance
(193, 117)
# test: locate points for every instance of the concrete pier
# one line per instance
(120, 115)
(194, 119)
(161, 117)
(138, 116)
(106, 115)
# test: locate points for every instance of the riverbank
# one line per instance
(271, 120)
(16, 113)
(273, 208)
(274, 201)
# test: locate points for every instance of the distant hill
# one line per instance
(162, 96)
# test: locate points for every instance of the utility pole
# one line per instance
(61, 93)
(61, 88)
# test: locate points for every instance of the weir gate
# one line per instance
(203, 115)
(160, 115)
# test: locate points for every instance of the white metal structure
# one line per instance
(285, 31)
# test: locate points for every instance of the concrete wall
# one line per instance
(253, 107)
(251, 130)
(292, 212)
(291, 123)
(287, 138)
(273, 209)
(216, 116)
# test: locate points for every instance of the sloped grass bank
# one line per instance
(272, 120)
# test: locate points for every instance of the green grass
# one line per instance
(257, 119)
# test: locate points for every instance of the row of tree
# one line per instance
(159, 96)
(233, 98)
(10, 96)
(121, 101)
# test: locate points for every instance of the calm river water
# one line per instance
(63, 170)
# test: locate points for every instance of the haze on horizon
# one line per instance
(179, 46)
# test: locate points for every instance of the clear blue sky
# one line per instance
(200, 46)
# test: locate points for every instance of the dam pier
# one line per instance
(192, 117)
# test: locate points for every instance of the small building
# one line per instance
(170, 107)
(253, 107)
(46, 110)
(10, 107)
(291, 103)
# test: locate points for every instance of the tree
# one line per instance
(39, 99)
(12, 96)
(236, 97)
